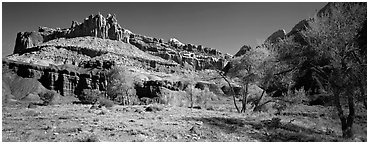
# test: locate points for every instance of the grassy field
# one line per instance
(76, 122)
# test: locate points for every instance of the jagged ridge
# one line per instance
(197, 56)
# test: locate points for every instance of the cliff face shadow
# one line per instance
(266, 130)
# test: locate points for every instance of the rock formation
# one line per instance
(19, 88)
(26, 40)
(96, 26)
(300, 26)
(175, 43)
(197, 56)
(76, 58)
(276, 36)
(63, 79)
(242, 51)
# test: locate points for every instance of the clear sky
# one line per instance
(224, 26)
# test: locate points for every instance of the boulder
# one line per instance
(154, 108)
(31, 97)
(254, 92)
(321, 99)
(227, 90)
(32, 106)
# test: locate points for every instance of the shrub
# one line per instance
(89, 96)
(210, 108)
(88, 137)
(206, 96)
(199, 97)
(106, 102)
(297, 96)
(31, 105)
(48, 97)
(154, 108)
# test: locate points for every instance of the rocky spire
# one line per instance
(94, 25)
(276, 36)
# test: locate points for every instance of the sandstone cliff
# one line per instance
(98, 26)
(76, 58)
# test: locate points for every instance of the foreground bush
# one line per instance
(89, 96)
(154, 108)
(199, 98)
(106, 102)
(48, 97)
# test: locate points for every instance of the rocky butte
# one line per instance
(71, 59)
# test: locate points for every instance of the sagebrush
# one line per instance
(48, 97)
(89, 96)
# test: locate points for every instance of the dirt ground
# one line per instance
(79, 123)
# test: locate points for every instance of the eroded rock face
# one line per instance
(96, 26)
(70, 81)
(175, 43)
(26, 40)
(276, 36)
(153, 88)
(76, 58)
(196, 56)
(184, 54)
(19, 88)
(99, 26)
(300, 26)
(243, 50)
(66, 81)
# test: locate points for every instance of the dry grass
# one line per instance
(77, 122)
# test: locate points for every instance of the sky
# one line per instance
(223, 26)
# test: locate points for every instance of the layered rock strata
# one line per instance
(196, 56)
(70, 80)
(96, 26)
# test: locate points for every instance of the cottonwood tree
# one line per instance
(251, 67)
(226, 78)
(120, 87)
(332, 51)
(190, 94)
(197, 96)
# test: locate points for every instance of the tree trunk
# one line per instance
(191, 97)
(363, 96)
(243, 100)
(245, 96)
(346, 122)
(348, 133)
(233, 93)
(256, 106)
(127, 93)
